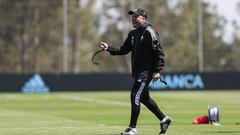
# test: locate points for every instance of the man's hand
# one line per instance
(155, 76)
(103, 45)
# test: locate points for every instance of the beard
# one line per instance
(135, 24)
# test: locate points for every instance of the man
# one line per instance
(147, 62)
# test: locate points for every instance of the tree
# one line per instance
(31, 35)
(233, 61)
(117, 28)
(82, 34)
(32, 31)
(183, 48)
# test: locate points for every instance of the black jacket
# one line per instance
(147, 53)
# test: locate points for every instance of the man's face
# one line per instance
(137, 20)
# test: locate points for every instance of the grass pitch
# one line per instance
(107, 113)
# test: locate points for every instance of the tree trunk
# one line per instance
(75, 52)
(24, 39)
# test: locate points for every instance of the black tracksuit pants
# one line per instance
(140, 93)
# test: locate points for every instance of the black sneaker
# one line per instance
(164, 125)
(129, 131)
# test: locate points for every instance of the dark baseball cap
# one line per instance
(138, 11)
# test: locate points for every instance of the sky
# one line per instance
(228, 9)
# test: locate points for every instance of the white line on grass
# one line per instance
(91, 100)
(119, 103)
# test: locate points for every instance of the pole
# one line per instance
(200, 37)
(65, 36)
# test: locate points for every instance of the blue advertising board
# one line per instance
(44, 83)
(179, 81)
